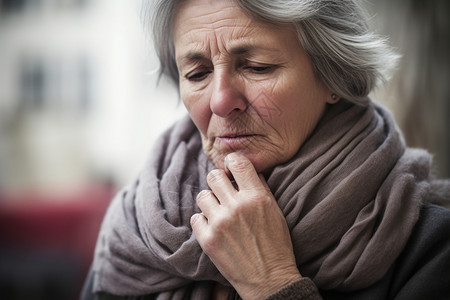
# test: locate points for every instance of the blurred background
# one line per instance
(80, 109)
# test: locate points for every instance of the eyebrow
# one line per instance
(195, 56)
(240, 50)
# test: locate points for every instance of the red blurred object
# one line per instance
(35, 222)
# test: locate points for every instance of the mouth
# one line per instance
(235, 136)
(236, 141)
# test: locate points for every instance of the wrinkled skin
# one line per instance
(248, 86)
(251, 91)
(244, 232)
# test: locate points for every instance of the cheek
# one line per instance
(301, 109)
(198, 109)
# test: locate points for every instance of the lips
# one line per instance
(235, 136)
(236, 140)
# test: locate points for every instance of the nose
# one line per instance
(227, 98)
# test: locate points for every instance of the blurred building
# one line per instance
(78, 99)
(79, 111)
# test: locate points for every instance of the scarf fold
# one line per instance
(351, 197)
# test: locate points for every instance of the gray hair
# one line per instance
(347, 57)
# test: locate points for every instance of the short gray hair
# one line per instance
(347, 56)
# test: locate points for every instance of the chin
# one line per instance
(264, 167)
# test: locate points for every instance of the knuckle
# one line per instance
(209, 243)
(244, 208)
(215, 176)
(240, 165)
(256, 201)
(264, 201)
(221, 223)
(203, 195)
(257, 195)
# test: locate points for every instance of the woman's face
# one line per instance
(249, 86)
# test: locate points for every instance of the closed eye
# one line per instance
(260, 69)
(197, 75)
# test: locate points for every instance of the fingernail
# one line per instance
(228, 159)
(194, 218)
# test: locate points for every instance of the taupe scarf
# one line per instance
(351, 197)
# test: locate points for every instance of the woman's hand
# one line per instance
(244, 232)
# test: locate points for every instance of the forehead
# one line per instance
(200, 25)
(210, 13)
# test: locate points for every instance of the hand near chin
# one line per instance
(244, 232)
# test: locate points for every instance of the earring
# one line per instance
(334, 97)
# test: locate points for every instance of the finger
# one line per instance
(221, 185)
(264, 182)
(198, 221)
(207, 202)
(243, 171)
(201, 230)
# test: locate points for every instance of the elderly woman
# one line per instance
(285, 181)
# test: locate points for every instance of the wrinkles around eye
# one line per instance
(197, 75)
(260, 69)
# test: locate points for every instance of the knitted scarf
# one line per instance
(351, 197)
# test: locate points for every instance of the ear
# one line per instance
(333, 99)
